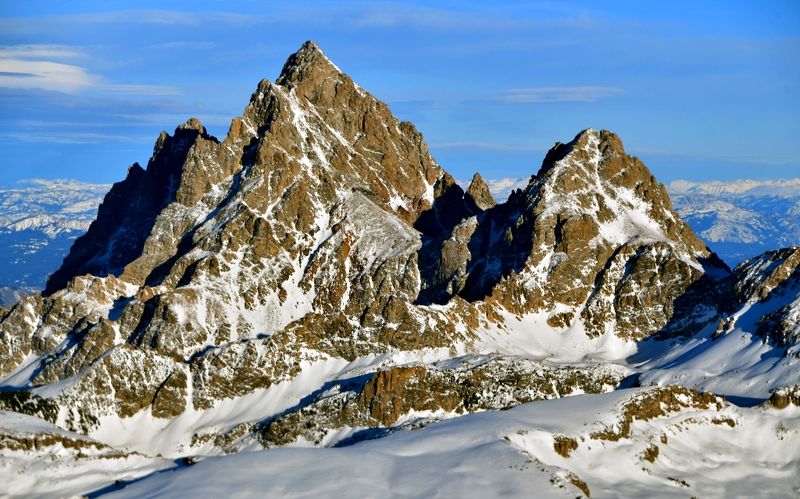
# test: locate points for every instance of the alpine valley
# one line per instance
(311, 306)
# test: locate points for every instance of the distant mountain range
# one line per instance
(39, 220)
(743, 218)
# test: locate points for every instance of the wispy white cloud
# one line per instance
(785, 157)
(47, 75)
(133, 89)
(163, 119)
(559, 94)
(479, 20)
(23, 67)
(44, 23)
(70, 137)
(35, 51)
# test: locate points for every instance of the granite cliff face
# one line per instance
(319, 240)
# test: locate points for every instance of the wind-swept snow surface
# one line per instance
(557, 448)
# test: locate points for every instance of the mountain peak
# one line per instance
(591, 154)
(193, 124)
(477, 195)
(308, 62)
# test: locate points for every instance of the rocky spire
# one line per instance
(478, 197)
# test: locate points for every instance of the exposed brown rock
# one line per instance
(758, 277)
(782, 398)
(563, 445)
(477, 196)
(580, 484)
(650, 453)
(487, 384)
(656, 403)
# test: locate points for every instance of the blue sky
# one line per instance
(697, 90)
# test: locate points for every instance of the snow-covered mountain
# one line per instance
(315, 279)
(39, 221)
(738, 219)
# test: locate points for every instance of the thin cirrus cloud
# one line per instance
(559, 94)
(184, 45)
(31, 67)
(36, 51)
(71, 137)
(490, 146)
(45, 24)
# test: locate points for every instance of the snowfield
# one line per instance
(511, 453)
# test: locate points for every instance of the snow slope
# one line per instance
(719, 452)
(64, 463)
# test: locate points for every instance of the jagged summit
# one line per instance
(590, 223)
(308, 62)
(589, 142)
(593, 176)
(311, 134)
(193, 124)
(477, 195)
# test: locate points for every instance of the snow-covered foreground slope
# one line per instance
(656, 442)
(40, 459)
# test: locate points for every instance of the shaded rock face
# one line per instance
(769, 284)
(131, 210)
(477, 196)
(320, 227)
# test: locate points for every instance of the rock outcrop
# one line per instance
(769, 284)
(477, 195)
(410, 396)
